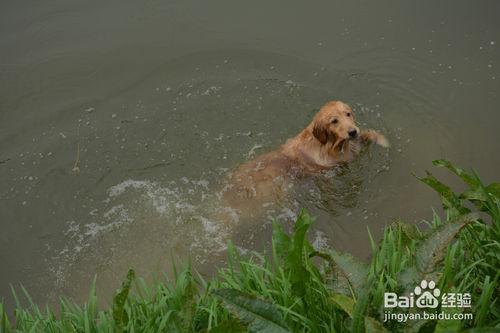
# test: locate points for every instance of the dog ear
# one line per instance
(320, 132)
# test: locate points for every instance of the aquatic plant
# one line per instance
(299, 289)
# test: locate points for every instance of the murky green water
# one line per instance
(119, 122)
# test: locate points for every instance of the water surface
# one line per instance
(120, 121)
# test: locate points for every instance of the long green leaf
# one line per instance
(346, 303)
(450, 200)
(467, 178)
(361, 306)
(4, 321)
(351, 273)
(119, 300)
(282, 243)
(299, 275)
(259, 315)
(432, 249)
(293, 252)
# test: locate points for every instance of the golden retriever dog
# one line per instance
(331, 138)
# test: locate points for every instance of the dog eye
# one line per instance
(334, 121)
(348, 114)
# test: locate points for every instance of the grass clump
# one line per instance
(299, 289)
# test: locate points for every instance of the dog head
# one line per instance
(334, 123)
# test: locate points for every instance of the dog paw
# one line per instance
(382, 141)
(374, 136)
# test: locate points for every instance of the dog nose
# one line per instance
(353, 133)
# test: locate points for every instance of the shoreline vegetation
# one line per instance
(297, 288)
